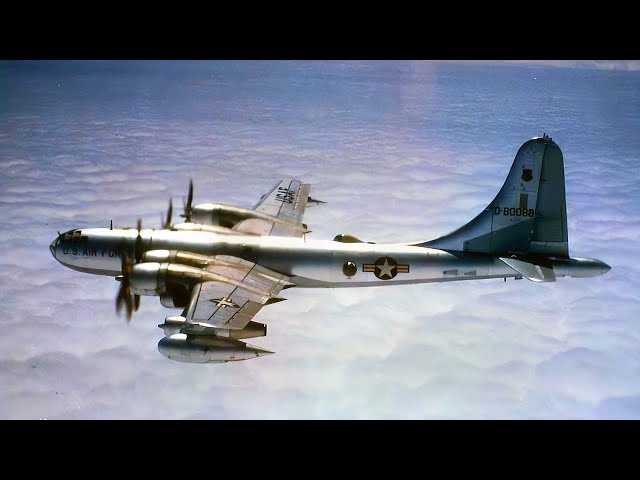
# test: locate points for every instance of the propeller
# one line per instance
(138, 246)
(167, 223)
(124, 293)
(187, 208)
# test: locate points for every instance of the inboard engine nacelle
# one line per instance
(154, 278)
(224, 215)
(176, 256)
(242, 220)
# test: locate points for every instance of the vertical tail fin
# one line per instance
(529, 214)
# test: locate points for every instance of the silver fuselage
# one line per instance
(308, 263)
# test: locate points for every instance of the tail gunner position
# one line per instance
(224, 263)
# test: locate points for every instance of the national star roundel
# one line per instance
(385, 268)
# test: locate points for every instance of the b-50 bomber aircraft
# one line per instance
(224, 263)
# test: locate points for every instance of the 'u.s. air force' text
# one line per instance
(285, 195)
(93, 252)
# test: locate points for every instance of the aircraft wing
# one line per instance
(231, 302)
(286, 202)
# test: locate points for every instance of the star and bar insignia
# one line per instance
(385, 268)
(224, 302)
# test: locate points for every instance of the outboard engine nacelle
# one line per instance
(148, 278)
(172, 325)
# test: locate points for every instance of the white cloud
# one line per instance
(607, 65)
(401, 151)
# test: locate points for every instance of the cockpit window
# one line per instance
(75, 236)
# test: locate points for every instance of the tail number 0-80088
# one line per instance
(514, 212)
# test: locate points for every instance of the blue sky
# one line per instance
(401, 151)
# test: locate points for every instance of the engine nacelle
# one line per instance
(148, 278)
(199, 227)
(175, 256)
(245, 220)
(222, 215)
(172, 325)
(154, 278)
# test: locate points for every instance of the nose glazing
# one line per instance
(52, 248)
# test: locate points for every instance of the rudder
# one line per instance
(550, 235)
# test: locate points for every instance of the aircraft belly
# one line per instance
(361, 267)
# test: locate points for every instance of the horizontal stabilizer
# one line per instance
(311, 202)
(530, 270)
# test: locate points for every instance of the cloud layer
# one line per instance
(402, 151)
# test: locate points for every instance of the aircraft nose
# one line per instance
(604, 268)
(52, 247)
